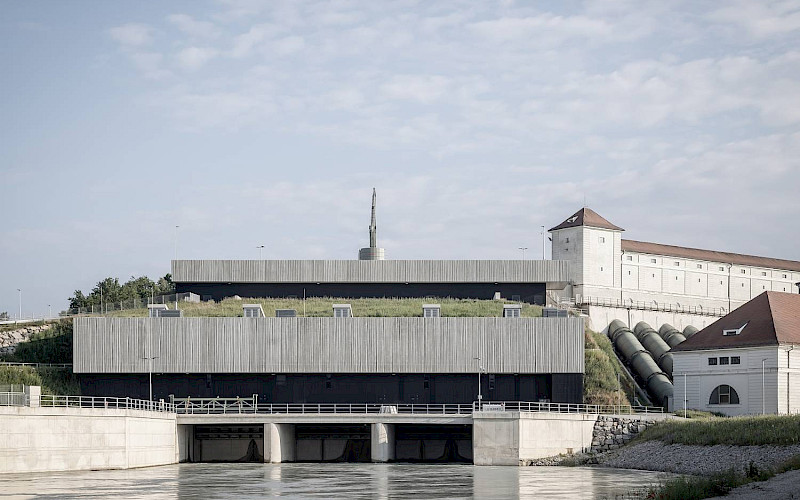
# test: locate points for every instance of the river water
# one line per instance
(350, 481)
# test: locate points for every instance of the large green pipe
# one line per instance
(657, 382)
(671, 335)
(689, 331)
(656, 345)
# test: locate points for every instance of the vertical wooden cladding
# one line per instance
(328, 345)
(379, 271)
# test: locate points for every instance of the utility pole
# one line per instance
(20, 303)
(480, 369)
(544, 252)
(763, 386)
(260, 248)
(523, 251)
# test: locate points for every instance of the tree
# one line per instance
(110, 291)
(3, 315)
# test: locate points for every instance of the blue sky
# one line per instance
(250, 123)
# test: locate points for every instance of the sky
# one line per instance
(250, 123)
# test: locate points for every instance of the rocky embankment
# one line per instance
(699, 460)
(10, 339)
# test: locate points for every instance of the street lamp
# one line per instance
(260, 248)
(523, 251)
(20, 303)
(176, 242)
(49, 311)
(480, 369)
(544, 252)
(763, 386)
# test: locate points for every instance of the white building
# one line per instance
(747, 362)
(633, 280)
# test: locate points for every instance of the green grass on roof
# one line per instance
(323, 307)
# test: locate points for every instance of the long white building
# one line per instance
(658, 283)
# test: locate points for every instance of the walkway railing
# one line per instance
(204, 406)
(37, 365)
(522, 406)
(45, 400)
(652, 305)
(209, 406)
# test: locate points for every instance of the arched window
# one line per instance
(724, 395)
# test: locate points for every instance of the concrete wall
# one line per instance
(601, 316)
(745, 378)
(510, 438)
(328, 345)
(64, 439)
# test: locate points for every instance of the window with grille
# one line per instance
(712, 361)
(724, 395)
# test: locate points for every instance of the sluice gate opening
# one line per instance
(332, 443)
(227, 443)
(433, 443)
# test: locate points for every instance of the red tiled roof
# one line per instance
(586, 217)
(711, 255)
(771, 318)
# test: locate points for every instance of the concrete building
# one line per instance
(674, 284)
(747, 362)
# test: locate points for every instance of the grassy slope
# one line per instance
(322, 307)
(735, 431)
(601, 369)
(60, 381)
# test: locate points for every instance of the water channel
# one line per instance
(351, 481)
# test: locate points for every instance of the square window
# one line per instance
(699, 266)
(677, 263)
(735, 360)
(652, 261)
(630, 257)
(763, 273)
(784, 276)
(743, 271)
(712, 361)
(724, 360)
(602, 239)
(721, 268)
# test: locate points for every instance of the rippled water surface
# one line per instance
(352, 481)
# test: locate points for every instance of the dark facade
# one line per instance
(342, 388)
(533, 293)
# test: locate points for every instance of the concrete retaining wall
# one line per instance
(66, 439)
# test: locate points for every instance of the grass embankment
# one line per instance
(602, 368)
(322, 307)
(54, 380)
(734, 431)
(50, 346)
(706, 430)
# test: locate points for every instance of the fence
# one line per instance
(134, 303)
(22, 399)
(36, 365)
(208, 406)
(652, 306)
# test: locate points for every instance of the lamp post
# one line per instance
(176, 242)
(685, 398)
(523, 251)
(20, 303)
(544, 252)
(763, 386)
(260, 248)
(49, 311)
(480, 369)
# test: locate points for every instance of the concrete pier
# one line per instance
(382, 443)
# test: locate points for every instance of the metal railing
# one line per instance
(49, 401)
(105, 402)
(37, 365)
(652, 305)
(522, 406)
(12, 398)
(203, 406)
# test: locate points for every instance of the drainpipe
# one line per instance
(788, 378)
(729, 287)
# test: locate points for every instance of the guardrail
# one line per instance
(639, 305)
(49, 401)
(209, 406)
(522, 406)
(37, 365)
